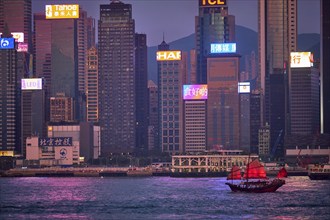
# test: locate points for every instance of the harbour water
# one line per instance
(157, 198)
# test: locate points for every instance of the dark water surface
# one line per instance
(158, 198)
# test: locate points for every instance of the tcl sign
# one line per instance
(169, 55)
(212, 3)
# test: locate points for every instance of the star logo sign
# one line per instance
(63, 153)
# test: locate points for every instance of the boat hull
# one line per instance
(319, 176)
(252, 187)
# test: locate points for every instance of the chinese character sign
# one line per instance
(223, 48)
(55, 141)
(61, 11)
(301, 59)
(194, 92)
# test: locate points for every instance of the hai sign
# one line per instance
(169, 55)
(61, 11)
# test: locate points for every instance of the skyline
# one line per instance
(177, 20)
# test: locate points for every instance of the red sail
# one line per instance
(282, 173)
(235, 173)
(255, 170)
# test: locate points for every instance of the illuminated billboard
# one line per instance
(244, 87)
(7, 43)
(6, 153)
(31, 84)
(168, 55)
(212, 3)
(223, 48)
(18, 36)
(22, 47)
(62, 11)
(301, 59)
(194, 92)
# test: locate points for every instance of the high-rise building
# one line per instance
(172, 69)
(223, 104)
(61, 108)
(116, 44)
(255, 118)
(9, 136)
(277, 38)
(90, 32)
(92, 82)
(141, 91)
(194, 125)
(153, 125)
(56, 56)
(305, 101)
(212, 25)
(325, 66)
(17, 17)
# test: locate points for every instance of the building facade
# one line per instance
(212, 25)
(116, 44)
(92, 82)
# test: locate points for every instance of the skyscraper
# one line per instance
(325, 66)
(17, 16)
(153, 125)
(141, 91)
(212, 25)
(277, 38)
(172, 68)
(92, 81)
(223, 104)
(8, 98)
(116, 41)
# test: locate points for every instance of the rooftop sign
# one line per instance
(168, 55)
(62, 11)
(223, 48)
(301, 59)
(7, 43)
(212, 3)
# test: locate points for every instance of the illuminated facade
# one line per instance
(213, 25)
(223, 106)
(172, 69)
(92, 94)
(116, 52)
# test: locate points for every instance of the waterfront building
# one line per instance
(210, 162)
(325, 66)
(141, 92)
(46, 152)
(223, 105)
(277, 38)
(212, 25)
(116, 50)
(85, 134)
(172, 71)
(153, 120)
(61, 108)
(92, 82)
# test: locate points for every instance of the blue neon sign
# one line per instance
(7, 43)
(223, 48)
